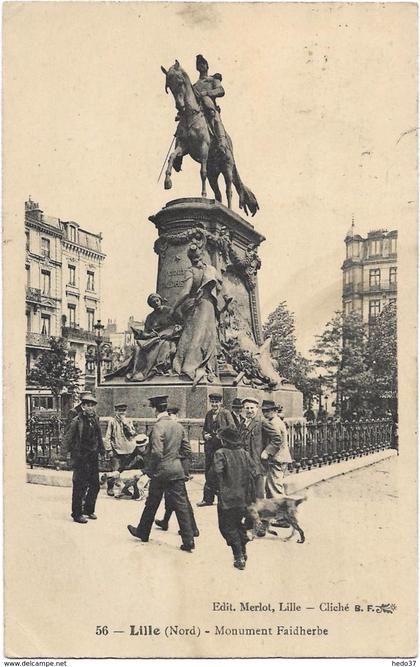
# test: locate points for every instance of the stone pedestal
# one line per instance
(230, 244)
(192, 401)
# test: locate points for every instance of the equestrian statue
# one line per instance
(200, 133)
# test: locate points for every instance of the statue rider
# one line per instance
(207, 89)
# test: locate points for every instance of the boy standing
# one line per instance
(233, 472)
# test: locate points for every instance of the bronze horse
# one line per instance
(193, 138)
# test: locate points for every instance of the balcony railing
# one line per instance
(37, 339)
(33, 294)
(78, 334)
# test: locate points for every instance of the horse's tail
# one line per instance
(247, 199)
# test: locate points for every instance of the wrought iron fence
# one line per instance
(43, 438)
(312, 444)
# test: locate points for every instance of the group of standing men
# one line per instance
(246, 455)
(262, 434)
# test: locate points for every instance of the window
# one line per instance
(348, 307)
(42, 402)
(45, 247)
(90, 281)
(347, 277)
(374, 309)
(374, 277)
(72, 314)
(28, 275)
(393, 246)
(352, 249)
(28, 246)
(28, 321)
(45, 325)
(90, 318)
(72, 275)
(375, 247)
(72, 234)
(45, 282)
(392, 275)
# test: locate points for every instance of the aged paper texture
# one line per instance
(320, 102)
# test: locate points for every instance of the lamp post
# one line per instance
(99, 327)
(99, 354)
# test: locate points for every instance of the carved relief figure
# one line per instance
(201, 303)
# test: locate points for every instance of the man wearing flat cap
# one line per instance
(83, 440)
(167, 477)
(278, 457)
(215, 420)
(260, 439)
(120, 443)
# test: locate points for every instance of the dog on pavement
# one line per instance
(278, 512)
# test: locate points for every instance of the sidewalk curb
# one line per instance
(296, 482)
(307, 478)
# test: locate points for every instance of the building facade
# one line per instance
(63, 292)
(123, 342)
(369, 273)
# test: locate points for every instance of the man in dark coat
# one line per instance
(260, 439)
(216, 419)
(75, 411)
(233, 472)
(167, 477)
(83, 440)
(236, 412)
(185, 456)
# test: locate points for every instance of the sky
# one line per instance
(320, 103)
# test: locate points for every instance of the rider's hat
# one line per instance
(200, 60)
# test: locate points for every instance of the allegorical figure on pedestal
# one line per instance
(200, 302)
(155, 344)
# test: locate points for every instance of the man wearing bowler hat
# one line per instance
(278, 457)
(236, 412)
(215, 420)
(167, 477)
(120, 443)
(83, 441)
(259, 438)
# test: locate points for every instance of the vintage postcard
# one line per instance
(210, 330)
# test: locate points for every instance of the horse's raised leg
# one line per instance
(177, 152)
